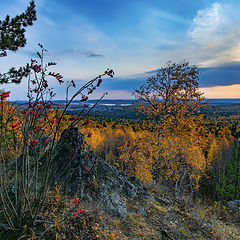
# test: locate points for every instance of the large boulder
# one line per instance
(80, 171)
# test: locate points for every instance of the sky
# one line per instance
(134, 38)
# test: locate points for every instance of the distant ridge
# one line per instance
(223, 101)
(217, 101)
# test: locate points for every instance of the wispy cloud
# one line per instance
(132, 37)
(207, 25)
(92, 55)
(223, 75)
(77, 52)
(215, 33)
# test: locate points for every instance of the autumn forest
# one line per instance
(165, 167)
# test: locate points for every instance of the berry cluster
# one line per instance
(4, 95)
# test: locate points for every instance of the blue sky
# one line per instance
(134, 38)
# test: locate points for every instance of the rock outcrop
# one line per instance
(234, 205)
(80, 171)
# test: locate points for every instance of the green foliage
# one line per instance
(229, 185)
(13, 30)
(14, 75)
(28, 146)
(12, 37)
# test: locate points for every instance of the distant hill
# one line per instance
(127, 102)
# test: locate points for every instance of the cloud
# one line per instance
(92, 55)
(222, 75)
(48, 21)
(128, 84)
(214, 34)
(222, 81)
(77, 52)
(207, 24)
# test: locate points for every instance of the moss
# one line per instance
(159, 208)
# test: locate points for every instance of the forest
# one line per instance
(183, 153)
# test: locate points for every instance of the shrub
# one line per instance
(28, 138)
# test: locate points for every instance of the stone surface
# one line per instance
(162, 200)
(234, 205)
(80, 171)
(142, 212)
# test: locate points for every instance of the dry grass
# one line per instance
(147, 219)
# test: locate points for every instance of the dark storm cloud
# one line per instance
(227, 74)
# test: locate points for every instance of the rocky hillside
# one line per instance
(116, 206)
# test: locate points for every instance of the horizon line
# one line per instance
(117, 99)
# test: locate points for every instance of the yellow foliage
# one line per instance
(159, 208)
(137, 156)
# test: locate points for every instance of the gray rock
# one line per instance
(80, 171)
(162, 200)
(115, 204)
(234, 205)
(142, 212)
